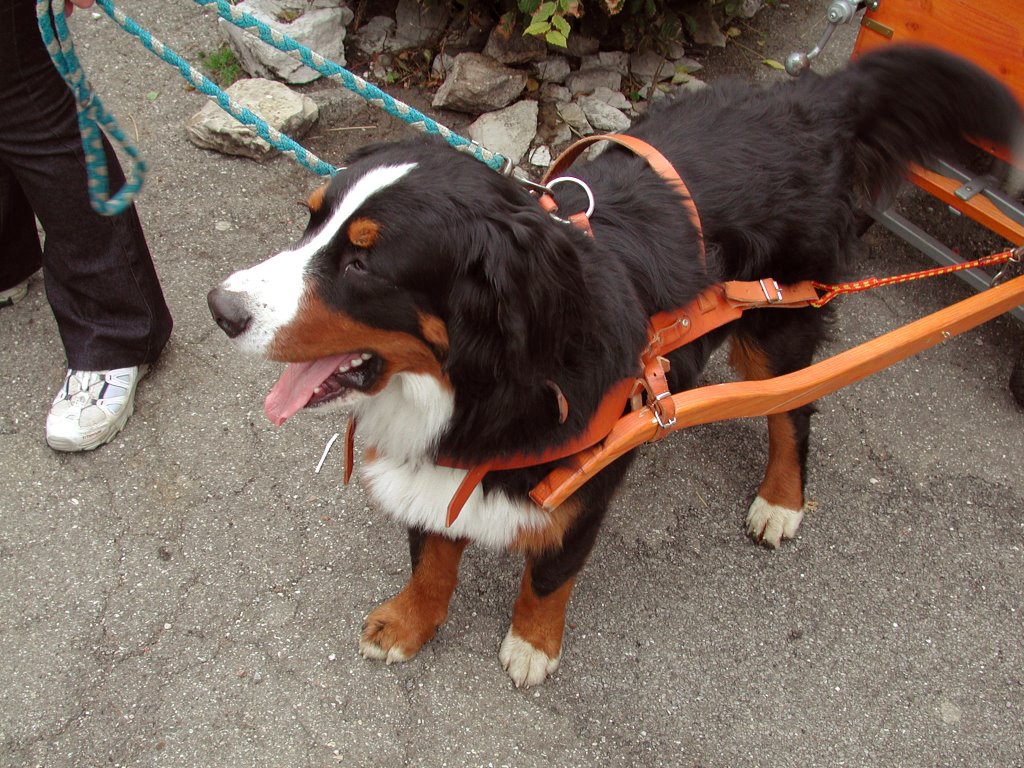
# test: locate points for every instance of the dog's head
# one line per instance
(416, 259)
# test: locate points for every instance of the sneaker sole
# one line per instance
(70, 446)
(12, 296)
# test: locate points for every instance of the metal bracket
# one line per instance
(839, 12)
(973, 187)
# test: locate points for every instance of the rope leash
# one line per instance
(339, 74)
(1014, 255)
(92, 115)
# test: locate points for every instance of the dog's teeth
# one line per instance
(366, 355)
(318, 391)
(357, 362)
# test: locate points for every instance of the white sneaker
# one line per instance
(92, 407)
(10, 296)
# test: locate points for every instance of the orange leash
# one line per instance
(831, 291)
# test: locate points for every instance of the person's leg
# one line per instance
(20, 254)
(99, 275)
(98, 271)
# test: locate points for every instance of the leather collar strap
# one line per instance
(658, 162)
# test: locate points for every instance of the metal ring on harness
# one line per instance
(583, 185)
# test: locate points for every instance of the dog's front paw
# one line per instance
(525, 664)
(396, 631)
(770, 524)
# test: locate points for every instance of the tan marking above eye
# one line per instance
(316, 200)
(363, 233)
(434, 330)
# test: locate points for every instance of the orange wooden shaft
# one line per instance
(720, 402)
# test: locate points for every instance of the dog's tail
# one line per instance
(911, 104)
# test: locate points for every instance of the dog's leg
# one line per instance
(532, 648)
(397, 629)
(778, 510)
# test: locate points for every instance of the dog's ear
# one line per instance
(519, 300)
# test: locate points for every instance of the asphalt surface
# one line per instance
(192, 593)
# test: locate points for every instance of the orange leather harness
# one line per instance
(716, 306)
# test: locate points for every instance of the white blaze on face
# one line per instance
(272, 291)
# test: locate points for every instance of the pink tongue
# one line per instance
(295, 387)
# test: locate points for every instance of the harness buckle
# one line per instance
(658, 411)
(778, 291)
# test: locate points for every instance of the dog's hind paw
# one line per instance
(770, 524)
(525, 664)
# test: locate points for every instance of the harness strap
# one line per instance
(607, 415)
(716, 306)
(745, 399)
(658, 162)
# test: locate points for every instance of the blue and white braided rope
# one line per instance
(368, 91)
(91, 116)
(207, 87)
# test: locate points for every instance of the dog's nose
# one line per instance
(229, 312)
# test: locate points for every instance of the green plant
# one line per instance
(642, 24)
(222, 66)
(548, 19)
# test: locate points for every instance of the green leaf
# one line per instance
(557, 38)
(152, 96)
(545, 11)
(538, 28)
(559, 23)
(773, 64)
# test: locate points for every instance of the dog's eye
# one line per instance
(355, 266)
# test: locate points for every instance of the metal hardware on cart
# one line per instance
(839, 12)
(1013, 267)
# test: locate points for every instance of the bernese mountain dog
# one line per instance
(461, 323)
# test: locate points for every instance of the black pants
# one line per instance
(98, 272)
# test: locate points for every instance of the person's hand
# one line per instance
(70, 5)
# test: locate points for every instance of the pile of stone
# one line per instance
(528, 97)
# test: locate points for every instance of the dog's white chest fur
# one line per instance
(403, 423)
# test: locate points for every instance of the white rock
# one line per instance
(289, 112)
(573, 116)
(602, 116)
(372, 38)
(508, 131)
(320, 29)
(553, 69)
(541, 156)
(585, 81)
